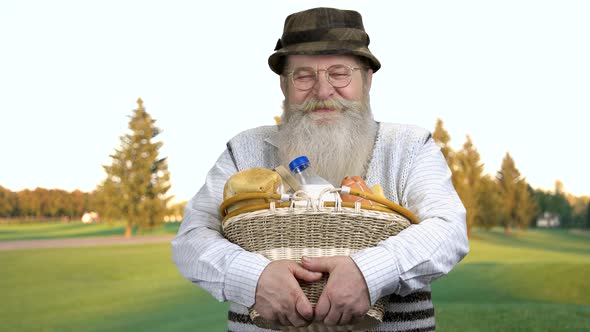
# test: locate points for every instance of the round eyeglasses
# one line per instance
(305, 78)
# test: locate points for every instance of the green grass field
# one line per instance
(57, 230)
(535, 281)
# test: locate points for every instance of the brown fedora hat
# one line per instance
(323, 31)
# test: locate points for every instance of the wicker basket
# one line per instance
(287, 230)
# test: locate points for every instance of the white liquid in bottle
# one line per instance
(309, 181)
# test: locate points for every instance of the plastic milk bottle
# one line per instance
(309, 181)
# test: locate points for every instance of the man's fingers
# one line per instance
(345, 319)
(283, 320)
(357, 317)
(296, 320)
(279, 296)
(322, 308)
(304, 274)
(318, 264)
(333, 316)
(304, 307)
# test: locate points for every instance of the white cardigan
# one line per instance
(412, 171)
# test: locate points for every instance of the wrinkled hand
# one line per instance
(279, 297)
(345, 299)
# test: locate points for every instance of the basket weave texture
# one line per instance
(292, 232)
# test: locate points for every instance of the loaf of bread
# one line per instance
(251, 180)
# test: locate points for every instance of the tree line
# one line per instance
(137, 181)
(505, 199)
(45, 203)
(57, 204)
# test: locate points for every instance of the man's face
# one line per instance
(324, 122)
(323, 90)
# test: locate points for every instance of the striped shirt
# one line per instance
(412, 171)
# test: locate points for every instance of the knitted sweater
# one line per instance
(394, 158)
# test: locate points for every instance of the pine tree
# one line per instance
(560, 205)
(508, 178)
(442, 138)
(137, 179)
(468, 174)
(490, 203)
(527, 208)
(518, 201)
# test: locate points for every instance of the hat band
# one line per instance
(355, 36)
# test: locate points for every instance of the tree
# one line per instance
(28, 203)
(78, 203)
(468, 174)
(177, 209)
(105, 200)
(508, 178)
(517, 201)
(559, 187)
(8, 202)
(489, 202)
(556, 202)
(560, 205)
(137, 179)
(526, 207)
(442, 138)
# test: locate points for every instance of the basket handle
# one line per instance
(382, 200)
(278, 197)
(245, 196)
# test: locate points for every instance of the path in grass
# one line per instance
(82, 242)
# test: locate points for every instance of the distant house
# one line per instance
(548, 220)
(89, 217)
(173, 218)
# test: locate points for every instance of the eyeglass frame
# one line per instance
(316, 71)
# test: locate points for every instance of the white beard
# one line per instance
(336, 148)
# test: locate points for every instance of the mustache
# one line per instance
(313, 104)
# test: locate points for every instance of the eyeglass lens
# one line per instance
(304, 78)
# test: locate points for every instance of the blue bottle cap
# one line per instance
(298, 163)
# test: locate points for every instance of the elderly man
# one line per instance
(326, 70)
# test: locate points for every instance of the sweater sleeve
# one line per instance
(426, 251)
(204, 256)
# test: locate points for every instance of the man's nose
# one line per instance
(323, 89)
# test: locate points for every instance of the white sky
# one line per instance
(515, 75)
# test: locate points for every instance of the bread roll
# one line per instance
(357, 183)
(251, 180)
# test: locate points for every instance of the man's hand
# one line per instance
(279, 297)
(345, 298)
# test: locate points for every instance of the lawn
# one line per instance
(534, 281)
(118, 288)
(58, 230)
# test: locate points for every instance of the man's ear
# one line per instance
(369, 79)
(284, 83)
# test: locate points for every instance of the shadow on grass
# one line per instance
(535, 282)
